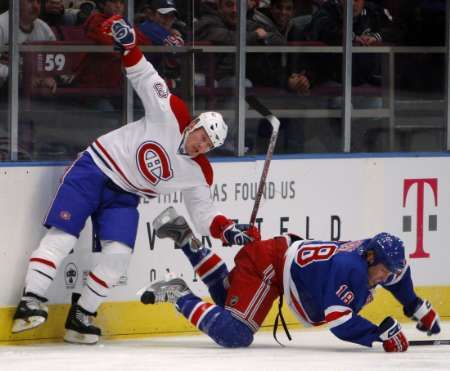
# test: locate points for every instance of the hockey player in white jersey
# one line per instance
(161, 153)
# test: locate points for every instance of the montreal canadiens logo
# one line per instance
(153, 162)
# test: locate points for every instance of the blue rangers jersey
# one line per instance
(327, 282)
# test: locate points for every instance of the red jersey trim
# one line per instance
(133, 57)
(44, 261)
(98, 280)
(181, 112)
(300, 310)
(206, 167)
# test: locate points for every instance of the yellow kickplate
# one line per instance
(133, 319)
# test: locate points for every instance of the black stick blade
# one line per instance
(254, 103)
(429, 342)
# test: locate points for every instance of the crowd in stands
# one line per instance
(214, 22)
(269, 22)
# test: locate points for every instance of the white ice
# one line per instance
(309, 350)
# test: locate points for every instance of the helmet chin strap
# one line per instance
(182, 146)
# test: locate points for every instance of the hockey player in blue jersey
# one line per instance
(322, 282)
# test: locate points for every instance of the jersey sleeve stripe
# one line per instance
(336, 315)
(102, 151)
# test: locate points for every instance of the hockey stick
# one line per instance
(429, 342)
(254, 103)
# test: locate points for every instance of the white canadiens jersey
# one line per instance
(142, 157)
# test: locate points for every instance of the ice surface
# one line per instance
(309, 350)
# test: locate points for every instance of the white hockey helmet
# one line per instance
(214, 125)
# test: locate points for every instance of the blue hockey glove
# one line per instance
(240, 234)
(427, 318)
(392, 336)
(121, 31)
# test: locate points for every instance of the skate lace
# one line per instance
(168, 294)
(83, 318)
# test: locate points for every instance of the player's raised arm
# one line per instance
(149, 85)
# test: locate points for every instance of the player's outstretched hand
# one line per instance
(240, 234)
(121, 31)
(390, 332)
(427, 318)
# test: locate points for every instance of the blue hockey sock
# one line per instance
(211, 269)
(215, 321)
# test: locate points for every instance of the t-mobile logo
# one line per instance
(432, 219)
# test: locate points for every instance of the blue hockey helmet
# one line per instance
(387, 249)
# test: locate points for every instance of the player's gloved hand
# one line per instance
(392, 336)
(427, 318)
(240, 234)
(121, 31)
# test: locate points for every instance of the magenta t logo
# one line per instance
(421, 183)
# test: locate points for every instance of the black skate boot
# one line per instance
(30, 313)
(79, 328)
(165, 292)
(169, 224)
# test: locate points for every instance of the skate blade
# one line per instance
(20, 325)
(74, 337)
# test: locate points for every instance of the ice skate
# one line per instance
(169, 224)
(165, 292)
(79, 328)
(30, 313)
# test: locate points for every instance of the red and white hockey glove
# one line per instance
(121, 31)
(392, 336)
(231, 233)
(427, 318)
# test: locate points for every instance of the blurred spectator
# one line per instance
(31, 29)
(53, 13)
(85, 10)
(58, 13)
(158, 26)
(217, 24)
(371, 26)
(274, 23)
(304, 10)
(88, 75)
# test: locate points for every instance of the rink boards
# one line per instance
(332, 198)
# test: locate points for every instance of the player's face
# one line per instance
(282, 13)
(228, 10)
(378, 274)
(198, 142)
(29, 10)
(113, 7)
(165, 20)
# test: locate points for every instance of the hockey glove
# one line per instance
(121, 31)
(427, 318)
(392, 336)
(240, 234)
